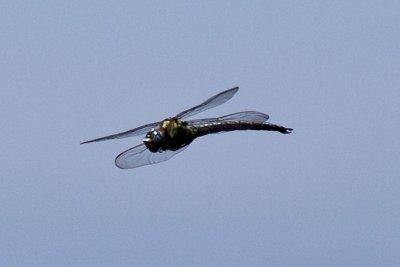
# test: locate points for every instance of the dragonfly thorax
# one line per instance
(171, 134)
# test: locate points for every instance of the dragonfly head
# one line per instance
(154, 140)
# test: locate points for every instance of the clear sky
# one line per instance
(326, 195)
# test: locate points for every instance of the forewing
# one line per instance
(140, 156)
(238, 116)
(210, 103)
(134, 132)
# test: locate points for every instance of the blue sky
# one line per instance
(326, 195)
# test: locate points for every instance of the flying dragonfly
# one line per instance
(168, 137)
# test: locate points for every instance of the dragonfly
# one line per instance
(164, 139)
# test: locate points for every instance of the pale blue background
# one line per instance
(327, 195)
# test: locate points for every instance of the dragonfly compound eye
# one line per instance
(153, 140)
(156, 136)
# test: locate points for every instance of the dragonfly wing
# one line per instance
(134, 132)
(238, 116)
(246, 116)
(209, 103)
(140, 156)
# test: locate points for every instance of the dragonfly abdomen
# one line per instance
(226, 126)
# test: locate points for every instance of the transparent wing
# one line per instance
(134, 132)
(246, 116)
(210, 103)
(140, 156)
(238, 116)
